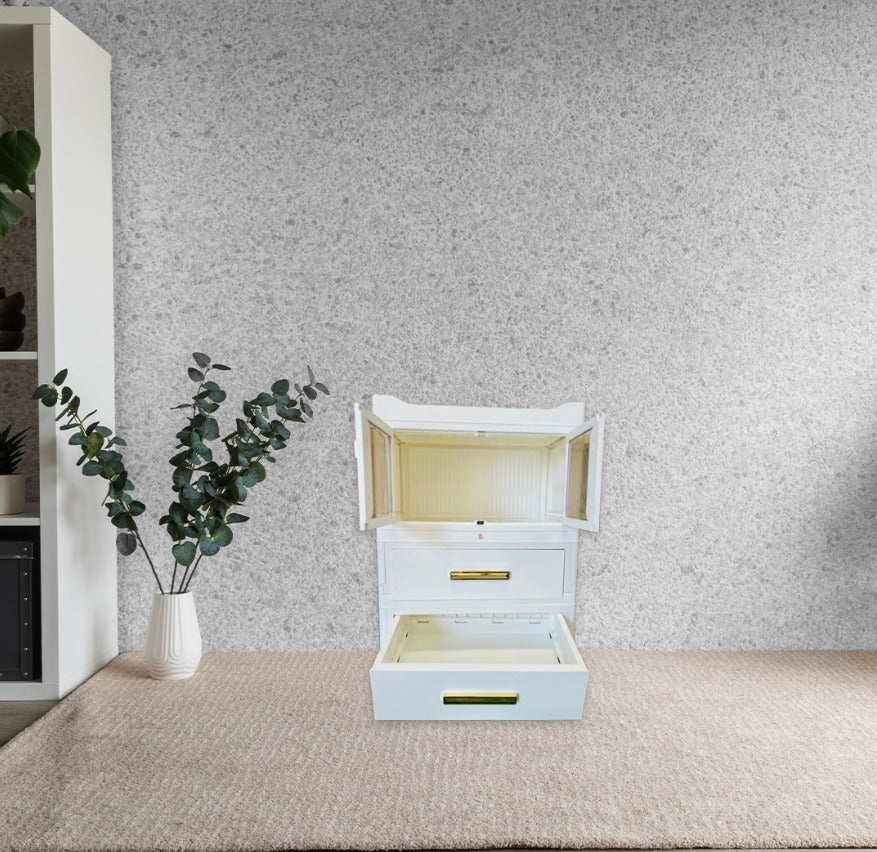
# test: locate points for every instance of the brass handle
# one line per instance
(481, 575)
(480, 698)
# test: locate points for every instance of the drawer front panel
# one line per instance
(455, 695)
(472, 574)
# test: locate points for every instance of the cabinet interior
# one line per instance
(447, 639)
(480, 476)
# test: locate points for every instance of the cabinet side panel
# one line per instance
(76, 304)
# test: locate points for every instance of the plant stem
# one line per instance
(148, 559)
(174, 576)
(122, 500)
(194, 569)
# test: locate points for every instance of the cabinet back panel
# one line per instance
(460, 483)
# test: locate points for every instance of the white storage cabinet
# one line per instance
(477, 512)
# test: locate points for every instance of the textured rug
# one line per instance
(278, 751)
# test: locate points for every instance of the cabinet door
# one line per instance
(584, 460)
(377, 459)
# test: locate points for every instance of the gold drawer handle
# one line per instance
(481, 575)
(480, 698)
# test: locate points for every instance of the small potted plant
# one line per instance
(11, 482)
(212, 476)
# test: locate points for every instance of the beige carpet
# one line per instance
(276, 751)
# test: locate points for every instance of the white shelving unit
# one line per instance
(74, 272)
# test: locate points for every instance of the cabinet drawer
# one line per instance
(475, 574)
(445, 667)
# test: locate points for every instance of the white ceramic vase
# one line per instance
(173, 640)
(12, 494)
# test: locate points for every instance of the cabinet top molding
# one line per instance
(402, 415)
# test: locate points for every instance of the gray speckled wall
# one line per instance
(666, 210)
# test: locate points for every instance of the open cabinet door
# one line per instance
(584, 462)
(376, 462)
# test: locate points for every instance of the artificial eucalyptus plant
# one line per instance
(19, 158)
(207, 489)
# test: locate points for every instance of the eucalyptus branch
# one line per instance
(98, 458)
(125, 503)
(206, 491)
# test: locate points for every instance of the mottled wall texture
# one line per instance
(666, 210)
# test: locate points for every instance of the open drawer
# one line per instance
(517, 666)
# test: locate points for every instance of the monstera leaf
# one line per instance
(19, 158)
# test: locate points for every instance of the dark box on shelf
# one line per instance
(17, 591)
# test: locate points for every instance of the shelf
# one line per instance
(30, 517)
(18, 356)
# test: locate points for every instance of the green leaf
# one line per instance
(191, 499)
(175, 531)
(223, 536)
(260, 421)
(202, 449)
(264, 399)
(220, 367)
(91, 468)
(124, 522)
(184, 553)
(310, 393)
(208, 547)
(135, 507)
(19, 158)
(76, 440)
(59, 379)
(66, 394)
(238, 490)
(119, 442)
(103, 431)
(9, 214)
(126, 542)
(235, 518)
(182, 477)
(210, 431)
(280, 387)
(12, 172)
(196, 375)
(201, 359)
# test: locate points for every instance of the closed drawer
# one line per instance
(446, 667)
(472, 574)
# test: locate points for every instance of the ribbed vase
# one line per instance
(173, 640)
